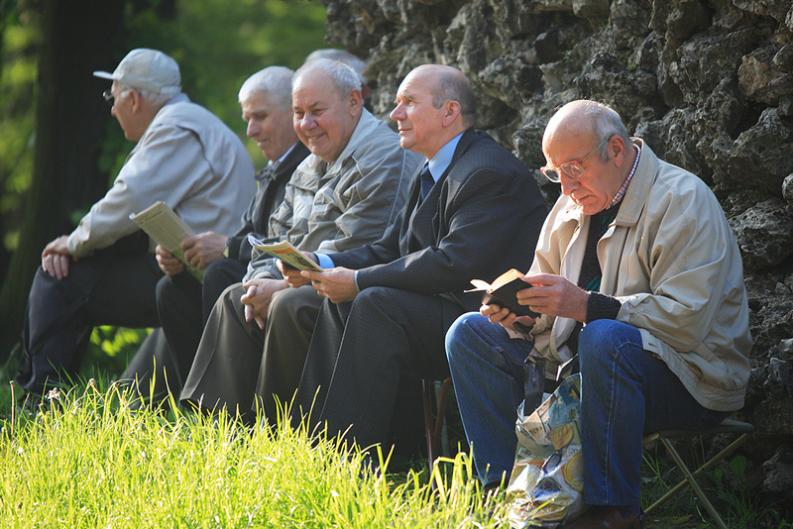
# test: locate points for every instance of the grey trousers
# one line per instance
(237, 361)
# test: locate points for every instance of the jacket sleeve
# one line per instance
(371, 202)
(158, 169)
(492, 220)
(687, 249)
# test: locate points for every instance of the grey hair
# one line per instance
(605, 124)
(344, 77)
(157, 100)
(275, 81)
(344, 56)
(456, 87)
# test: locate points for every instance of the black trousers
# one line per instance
(361, 350)
(183, 306)
(105, 289)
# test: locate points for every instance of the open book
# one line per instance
(503, 292)
(287, 253)
(166, 228)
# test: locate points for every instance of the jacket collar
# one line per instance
(364, 129)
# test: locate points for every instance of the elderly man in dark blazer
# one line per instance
(474, 211)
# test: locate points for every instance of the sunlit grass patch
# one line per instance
(90, 459)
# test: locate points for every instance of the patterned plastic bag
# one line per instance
(547, 478)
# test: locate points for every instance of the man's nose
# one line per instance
(397, 113)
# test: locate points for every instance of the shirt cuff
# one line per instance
(324, 261)
(602, 307)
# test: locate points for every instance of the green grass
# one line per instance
(90, 459)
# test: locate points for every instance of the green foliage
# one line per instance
(111, 348)
(726, 486)
(20, 40)
(93, 458)
(218, 45)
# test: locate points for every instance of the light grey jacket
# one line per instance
(349, 203)
(188, 159)
(672, 260)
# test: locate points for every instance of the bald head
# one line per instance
(449, 84)
(431, 107)
(585, 121)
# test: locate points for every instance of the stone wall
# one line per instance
(709, 84)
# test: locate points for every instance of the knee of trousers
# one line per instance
(460, 333)
(284, 304)
(599, 344)
(377, 298)
(165, 290)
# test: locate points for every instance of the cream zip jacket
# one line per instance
(672, 260)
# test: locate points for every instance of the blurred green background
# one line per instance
(217, 44)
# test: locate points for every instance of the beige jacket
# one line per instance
(188, 159)
(672, 260)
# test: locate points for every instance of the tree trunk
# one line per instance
(71, 117)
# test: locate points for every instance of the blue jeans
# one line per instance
(491, 377)
(625, 392)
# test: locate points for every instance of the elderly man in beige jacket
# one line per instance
(638, 273)
(102, 273)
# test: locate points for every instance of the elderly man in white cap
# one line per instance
(102, 273)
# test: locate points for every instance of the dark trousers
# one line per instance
(102, 290)
(361, 350)
(183, 306)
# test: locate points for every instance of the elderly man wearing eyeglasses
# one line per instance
(105, 272)
(636, 272)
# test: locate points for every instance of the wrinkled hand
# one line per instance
(204, 248)
(292, 275)
(55, 258)
(554, 295)
(336, 284)
(506, 319)
(257, 297)
(169, 264)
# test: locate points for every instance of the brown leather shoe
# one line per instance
(605, 518)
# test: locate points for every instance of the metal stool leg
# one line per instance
(693, 482)
(729, 449)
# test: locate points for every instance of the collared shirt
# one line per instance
(437, 165)
(624, 187)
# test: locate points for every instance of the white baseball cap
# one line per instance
(148, 70)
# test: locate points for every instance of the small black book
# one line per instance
(503, 292)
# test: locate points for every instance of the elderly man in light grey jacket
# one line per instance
(638, 273)
(343, 195)
(103, 272)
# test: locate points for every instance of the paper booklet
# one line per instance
(287, 253)
(503, 292)
(166, 228)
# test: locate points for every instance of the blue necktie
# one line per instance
(425, 177)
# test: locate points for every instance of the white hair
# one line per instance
(354, 62)
(344, 77)
(605, 124)
(275, 81)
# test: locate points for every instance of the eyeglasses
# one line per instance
(108, 96)
(572, 168)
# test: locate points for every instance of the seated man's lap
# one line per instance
(613, 350)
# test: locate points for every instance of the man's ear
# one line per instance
(451, 112)
(617, 149)
(136, 100)
(356, 102)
